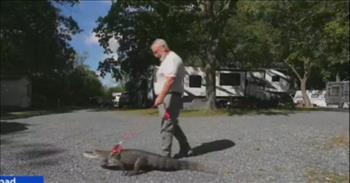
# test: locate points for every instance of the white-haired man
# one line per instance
(169, 100)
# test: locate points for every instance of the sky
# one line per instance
(85, 14)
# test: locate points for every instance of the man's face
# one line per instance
(158, 51)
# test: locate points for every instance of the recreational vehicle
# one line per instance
(263, 84)
(338, 94)
(317, 98)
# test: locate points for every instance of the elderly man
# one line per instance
(169, 101)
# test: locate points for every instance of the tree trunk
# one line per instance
(210, 69)
(210, 61)
(210, 86)
(306, 98)
(303, 79)
(337, 77)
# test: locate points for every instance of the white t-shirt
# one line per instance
(171, 66)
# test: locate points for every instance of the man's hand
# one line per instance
(166, 88)
(158, 101)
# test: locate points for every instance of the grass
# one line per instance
(203, 113)
(140, 112)
(341, 141)
(185, 113)
(154, 112)
(314, 176)
(218, 112)
(226, 112)
(22, 114)
(6, 115)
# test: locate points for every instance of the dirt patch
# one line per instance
(314, 175)
(341, 141)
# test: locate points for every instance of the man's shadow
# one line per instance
(209, 147)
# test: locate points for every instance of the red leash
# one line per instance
(117, 149)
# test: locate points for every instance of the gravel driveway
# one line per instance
(295, 147)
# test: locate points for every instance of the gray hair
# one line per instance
(159, 42)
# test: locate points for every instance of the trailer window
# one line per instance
(335, 91)
(275, 78)
(195, 81)
(230, 79)
(346, 90)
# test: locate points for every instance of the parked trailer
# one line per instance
(262, 84)
(338, 93)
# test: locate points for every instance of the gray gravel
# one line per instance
(268, 148)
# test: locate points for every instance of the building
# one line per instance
(16, 92)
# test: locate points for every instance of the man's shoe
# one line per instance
(184, 153)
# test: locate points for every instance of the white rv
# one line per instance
(116, 97)
(317, 98)
(338, 94)
(264, 84)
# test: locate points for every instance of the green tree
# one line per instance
(247, 41)
(34, 37)
(82, 85)
(336, 46)
(302, 39)
(208, 39)
(35, 42)
(194, 29)
(306, 36)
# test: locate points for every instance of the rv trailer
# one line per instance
(262, 84)
(337, 93)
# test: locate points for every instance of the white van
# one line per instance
(116, 98)
(317, 97)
